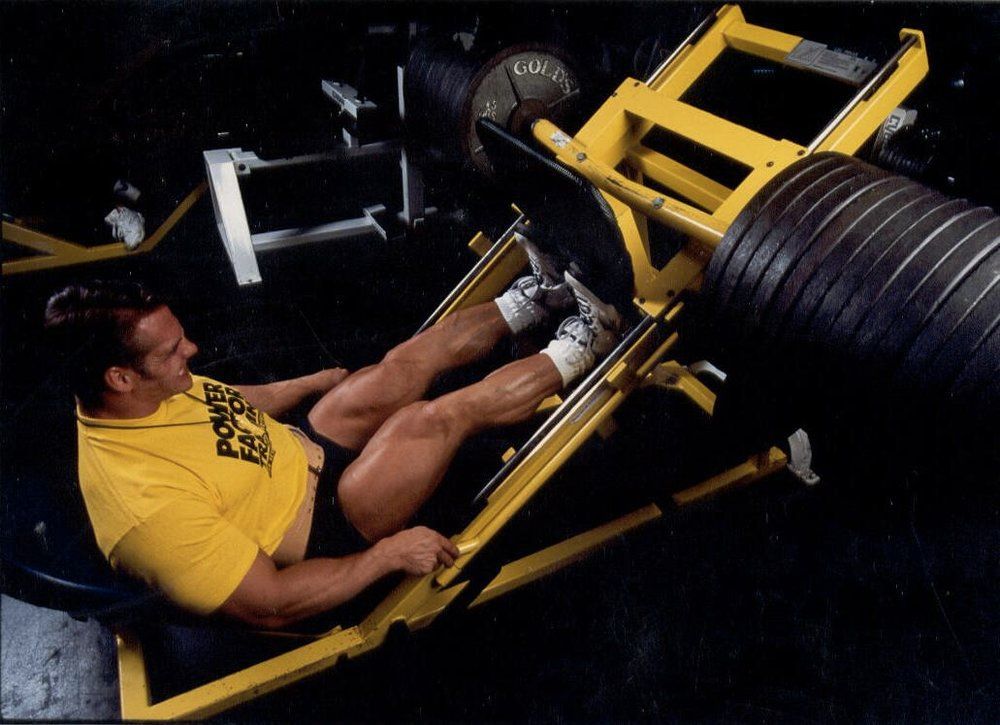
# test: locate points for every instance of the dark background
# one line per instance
(872, 597)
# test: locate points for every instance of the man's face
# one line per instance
(163, 371)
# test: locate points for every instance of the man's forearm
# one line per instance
(317, 585)
(302, 590)
(279, 397)
(271, 598)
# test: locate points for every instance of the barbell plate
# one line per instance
(782, 244)
(785, 208)
(925, 363)
(760, 213)
(977, 383)
(862, 239)
(919, 285)
(840, 330)
(803, 251)
(954, 359)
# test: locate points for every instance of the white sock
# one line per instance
(570, 358)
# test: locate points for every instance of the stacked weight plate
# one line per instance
(843, 295)
(447, 90)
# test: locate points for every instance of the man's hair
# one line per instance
(93, 324)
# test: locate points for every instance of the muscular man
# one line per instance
(194, 487)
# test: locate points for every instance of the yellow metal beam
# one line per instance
(670, 212)
(61, 253)
(133, 679)
(733, 141)
(480, 244)
(672, 375)
(859, 125)
(761, 42)
(231, 690)
(555, 557)
(703, 191)
(752, 469)
(693, 60)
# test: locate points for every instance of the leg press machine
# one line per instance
(633, 185)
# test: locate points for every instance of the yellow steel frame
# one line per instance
(57, 252)
(612, 137)
(703, 208)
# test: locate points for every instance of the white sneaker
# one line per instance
(582, 339)
(528, 301)
(603, 319)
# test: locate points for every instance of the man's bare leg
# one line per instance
(351, 413)
(405, 460)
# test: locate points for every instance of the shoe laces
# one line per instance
(586, 310)
(536, 269)
(530, 287)
(577, 329)
(539, 260)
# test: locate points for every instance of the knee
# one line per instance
(333, 423)
(429, 419)
(402, 358)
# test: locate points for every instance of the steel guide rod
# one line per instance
(690, 40)
(870, 87)
(477, 269)
(581, 391)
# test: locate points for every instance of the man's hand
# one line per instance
(417, 551)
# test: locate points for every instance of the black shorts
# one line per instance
(331, 534)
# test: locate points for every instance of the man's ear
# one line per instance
(119, 379)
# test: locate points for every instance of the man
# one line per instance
(192, 485)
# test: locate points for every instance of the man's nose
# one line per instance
(192, 349)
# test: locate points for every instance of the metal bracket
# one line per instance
(347, 98)
(800, 458)
(352, 105)
(707, 368)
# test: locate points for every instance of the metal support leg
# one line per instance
(230, 214)
(413, 192)
(412, 177)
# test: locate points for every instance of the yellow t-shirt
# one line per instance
(185, 497)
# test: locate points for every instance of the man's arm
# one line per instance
(273, 598)
(281, 396)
